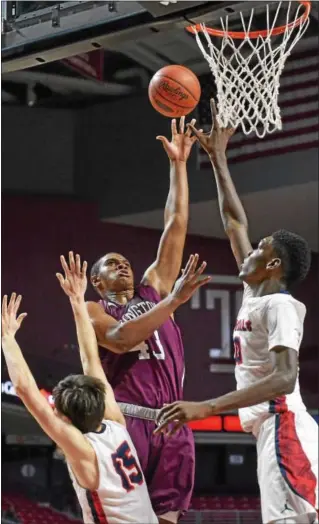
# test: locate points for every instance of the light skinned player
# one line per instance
(86, 422)
(267, 338)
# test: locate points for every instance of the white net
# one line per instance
(247, 72)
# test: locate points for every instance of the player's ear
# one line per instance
(95, 281)
(275, 263)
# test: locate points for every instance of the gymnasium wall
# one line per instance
(110, 149)
(37, 150)
(37, 230)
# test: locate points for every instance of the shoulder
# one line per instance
(284, 300)
(148, 292)
(95, 308)
(285, 305)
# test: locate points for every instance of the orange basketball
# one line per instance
(174, 91)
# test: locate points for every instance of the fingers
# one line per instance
(201, 269)
(188, 265)
(17, 305)
(60, 279)
(64, 266)
(164, 141)
(182, 125)
(197, 132)
(177, 426)
(74, 267)
(195, 138)
(14, 304)
(189, 128)
(214, 113)
(11, 302)
(191, 265)
(21, 318)
(173, 127)
(71, 262)
(84, 268)
(78, 265)
(202, 282)
(5, 304)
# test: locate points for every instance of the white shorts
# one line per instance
(287, 452)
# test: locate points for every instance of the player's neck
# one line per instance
(268, 287)
(120, 297)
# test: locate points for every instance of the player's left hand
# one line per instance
(10, 323)
(74, 282)
(179, 148)
(178, 413)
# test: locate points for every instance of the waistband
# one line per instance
(131, 410)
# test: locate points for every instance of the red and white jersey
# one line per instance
(122, 496)
(262, 324)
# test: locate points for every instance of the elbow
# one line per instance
(119, 340)
(231, 225)
(22, 388)
(285, 383)
(178, 220)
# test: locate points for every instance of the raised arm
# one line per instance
(121, 338)
(74, 284)
(231, 209)
(164, 271)
(66, 436)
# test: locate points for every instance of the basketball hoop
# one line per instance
(247, 74)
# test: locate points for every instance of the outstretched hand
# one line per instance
(74, 281)
(190, 280)
(215, 142)
(174, 416)
(178, 150)
(10, 323)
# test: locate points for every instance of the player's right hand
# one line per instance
(74, 281)
(178, 150)
(215, 142)
(190, 280)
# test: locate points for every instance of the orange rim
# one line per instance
(241, 35)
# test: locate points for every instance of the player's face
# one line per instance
(261, 264)
(116, 273)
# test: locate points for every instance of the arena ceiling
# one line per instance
(137, 38)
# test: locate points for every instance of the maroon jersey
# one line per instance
(152, 373)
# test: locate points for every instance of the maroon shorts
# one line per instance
(168, 464)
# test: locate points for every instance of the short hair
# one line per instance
(81, 398)
(96, 268)
(295, 255)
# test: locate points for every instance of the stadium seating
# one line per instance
(213, 509)
(225, 503)
(30, 512)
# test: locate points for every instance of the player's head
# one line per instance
(81, 400)
(112, 273)
(283, 256)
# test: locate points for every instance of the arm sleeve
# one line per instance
(284, 326)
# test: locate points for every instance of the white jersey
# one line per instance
(262, 324)
(122, 496)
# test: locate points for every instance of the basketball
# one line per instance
(174, 91)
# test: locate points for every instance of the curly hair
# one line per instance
(295, 255)
(81, 398)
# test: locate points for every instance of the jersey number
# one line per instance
(127, 467)
(145, 351)
(237, 353)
